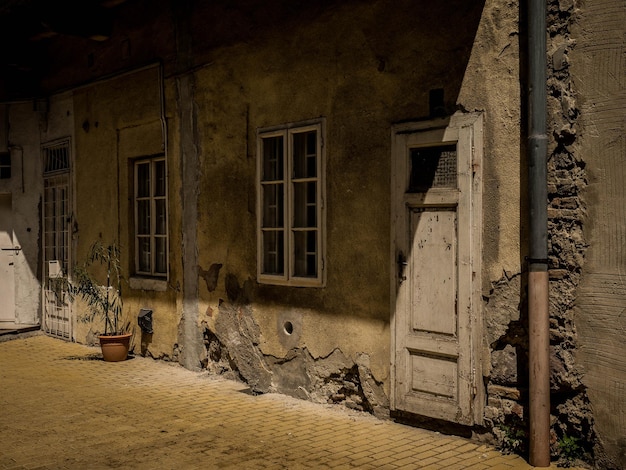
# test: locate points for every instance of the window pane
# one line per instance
(151, 217)
(433, 167)
(159, 178)
(305, 254)
(273, 252)
(160, 256)
(273, 158)
(305, 204)
(161, 225)
(144, 254)
(305, 155)
(143, 217)
(5, 165)
(143, 179)
(273, 205)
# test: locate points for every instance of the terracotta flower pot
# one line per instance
(115, 348)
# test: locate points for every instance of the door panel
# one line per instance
(436, 320)
(434, 376)
(433, 262)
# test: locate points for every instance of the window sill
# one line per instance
(143, 283)
(294, 282)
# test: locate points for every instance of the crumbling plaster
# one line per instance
(495, 60)
(347, 68)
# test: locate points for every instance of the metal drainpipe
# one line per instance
(538, 304)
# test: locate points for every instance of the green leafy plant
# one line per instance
(103, 299)
(511, 438)
(569, 450)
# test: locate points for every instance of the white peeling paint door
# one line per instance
(7, 262)
(436, 227)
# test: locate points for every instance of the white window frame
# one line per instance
(152, 235)
(289, 278)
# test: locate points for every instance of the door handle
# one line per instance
(402, 264)
(15, 249)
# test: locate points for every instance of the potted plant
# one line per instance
(104, 300)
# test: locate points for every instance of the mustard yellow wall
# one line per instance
(360, 67)
(118, 121)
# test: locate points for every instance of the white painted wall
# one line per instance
(25, 189)
(31, 125)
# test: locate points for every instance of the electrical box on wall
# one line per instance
(54, 269)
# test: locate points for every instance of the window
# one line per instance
(290, 171)
(5, 165)
(151, 217)
(56, 157)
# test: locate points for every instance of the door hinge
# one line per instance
(474, 387)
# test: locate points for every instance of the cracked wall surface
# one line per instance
(233, 350)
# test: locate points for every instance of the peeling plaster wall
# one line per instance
(495, 60)
(362, 67)
(573, 408)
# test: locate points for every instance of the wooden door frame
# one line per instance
(469, 127)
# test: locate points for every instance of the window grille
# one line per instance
(433, 167)
(56, 157)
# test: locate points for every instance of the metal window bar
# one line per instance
(56, 157)
(56, 221)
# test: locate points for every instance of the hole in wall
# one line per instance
(288, 327)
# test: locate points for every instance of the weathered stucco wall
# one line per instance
(25, 186)
(361, 66)
(118, 121)
(597, 64)
(495, 60)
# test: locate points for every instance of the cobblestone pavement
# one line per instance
(63, 407)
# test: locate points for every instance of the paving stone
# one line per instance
(62, 407)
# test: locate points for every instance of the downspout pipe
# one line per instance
(538, 300)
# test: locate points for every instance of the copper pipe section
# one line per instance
(539, 368)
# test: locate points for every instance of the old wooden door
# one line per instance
(7, 263)
(436, 225)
